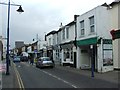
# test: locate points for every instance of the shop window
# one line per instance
(64, 56)
(67, 53)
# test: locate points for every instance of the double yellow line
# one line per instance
(21, 86)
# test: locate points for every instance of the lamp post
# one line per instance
(8, 23)
(92, 65)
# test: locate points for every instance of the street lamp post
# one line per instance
(7, 55)
(8, 22)
(92, 65)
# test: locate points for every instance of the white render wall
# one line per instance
(70, 38)
(23, 49)
(71, 34)
(114, 15)
(50, 36)
(118, 53)
(102, 24)
(119, 38)
(55, 39)
(78, 58)
(99, 58)
(29, 49)
(115, 53)
(85, 17)
(42, 45)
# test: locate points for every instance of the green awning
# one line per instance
(88, 41)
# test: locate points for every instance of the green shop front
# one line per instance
(95, 51)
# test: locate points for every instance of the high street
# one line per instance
(28, 76)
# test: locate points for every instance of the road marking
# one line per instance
(19, 78)
(60, 79)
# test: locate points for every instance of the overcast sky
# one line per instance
(41, 16)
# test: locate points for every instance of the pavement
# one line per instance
(10, 81)
(111, 76)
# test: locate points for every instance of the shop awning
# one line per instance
(67, 45)
(56, 47)
(88, 41)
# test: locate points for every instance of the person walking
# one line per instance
(31, 61)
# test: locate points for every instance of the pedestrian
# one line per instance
(31, 61)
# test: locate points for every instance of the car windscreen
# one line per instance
(16, 56)
(46, 59)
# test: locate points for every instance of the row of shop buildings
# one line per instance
(85, 41)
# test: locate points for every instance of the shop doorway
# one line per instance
(75, 59)
(93, 54)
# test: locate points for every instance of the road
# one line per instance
(32, 77)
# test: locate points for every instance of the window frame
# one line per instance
(92, 24)
(67, 32)
(63, 34)
(82, 28)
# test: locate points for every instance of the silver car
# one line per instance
(44, 62)
(16, 59)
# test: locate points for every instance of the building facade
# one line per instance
(94, 43)
(68, 48)
(115, 25)
(18, 46)
(50, 42)
(42, 48)
(56, 47)
(86, 42)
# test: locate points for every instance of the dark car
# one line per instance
(24, 58)
(44, 62)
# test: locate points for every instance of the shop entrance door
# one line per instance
(75, 59)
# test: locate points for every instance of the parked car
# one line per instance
(44, 62)
(16, 59)
(24, 56)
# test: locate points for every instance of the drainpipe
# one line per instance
(75, 41)
(75, 19)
